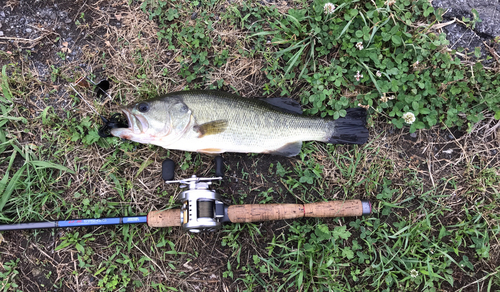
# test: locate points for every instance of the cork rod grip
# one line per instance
(164, 218)
(348, 208)
(256, 213)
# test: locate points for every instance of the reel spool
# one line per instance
(202, 209)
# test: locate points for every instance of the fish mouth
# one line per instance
(136, 123)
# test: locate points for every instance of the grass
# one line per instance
(435, 216)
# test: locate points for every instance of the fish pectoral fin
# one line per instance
(284, 104)
(289, 150)
(211, 128)
(210, 150)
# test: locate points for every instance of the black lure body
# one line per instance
(115, 121)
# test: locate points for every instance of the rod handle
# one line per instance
(266, 212)
(165, 218)
(347, 208)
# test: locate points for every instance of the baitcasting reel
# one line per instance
(202, 209)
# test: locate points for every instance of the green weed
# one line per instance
(8, 276)
(25, 169)
(382, 61)
(419, 238)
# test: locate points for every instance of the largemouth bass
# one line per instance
(215, 122)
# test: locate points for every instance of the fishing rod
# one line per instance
(202, 209)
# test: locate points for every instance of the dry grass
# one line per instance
(454, 165)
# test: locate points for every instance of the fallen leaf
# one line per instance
(65, 44)
(118, 17)
(107, 43)
(82, 82)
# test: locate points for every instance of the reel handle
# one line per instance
(266, 212)
(168, 168)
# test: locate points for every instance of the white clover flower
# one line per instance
(329, 8)
(409, 117)
(378, 74)
(359, 45)
(413, 273)
(391, 97)
(358, 76)
(383, 98)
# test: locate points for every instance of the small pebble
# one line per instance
(493, 152)
(67, 21)
(413, 135)
(194, 15)
(1, 33)
(2, 14)
(29, 30)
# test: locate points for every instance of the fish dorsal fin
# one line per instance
(289, 150)
(284, 104)
(211, 128)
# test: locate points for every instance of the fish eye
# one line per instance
(143, 107)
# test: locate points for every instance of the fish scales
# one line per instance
(252, 124)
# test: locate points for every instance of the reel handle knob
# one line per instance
(219, 166)
(168, 169)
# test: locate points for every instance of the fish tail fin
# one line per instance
(350, 129)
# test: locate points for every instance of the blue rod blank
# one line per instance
(75, 223)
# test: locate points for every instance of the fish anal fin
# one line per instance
(284, 104)
(210, 150)
(289, 150)
(211, 128)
